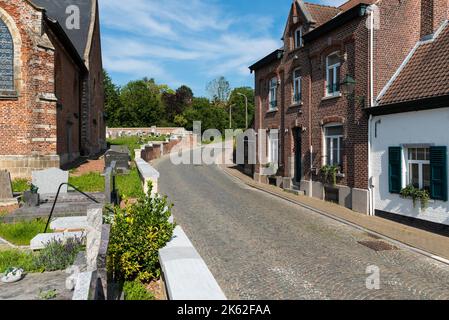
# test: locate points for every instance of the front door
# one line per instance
(298, 155)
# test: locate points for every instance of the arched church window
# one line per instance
(6, 59)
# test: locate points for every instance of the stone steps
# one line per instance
(295, 192)
(41, 240)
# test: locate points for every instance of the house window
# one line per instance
(297, 86)
(298, 38)
(6, 59)
(418, 166)
(333, 136)
(273, 147)
(272, 99)
(333, 74)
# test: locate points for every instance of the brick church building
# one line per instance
(51, 85)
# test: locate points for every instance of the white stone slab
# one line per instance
(83, 286)
(41, 240)
(48, 181)
(186, 274)
(69, 223)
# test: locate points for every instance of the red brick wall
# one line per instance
(97, 132)
(28, 123)
(68, 91)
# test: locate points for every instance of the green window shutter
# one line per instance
(395, 169)
(438, 173)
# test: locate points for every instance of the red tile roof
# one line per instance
(322, 14)
(425, 75)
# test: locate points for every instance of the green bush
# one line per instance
(136, 291)
(17, 259)
(21, 233)
(138, 232)
(58, 255)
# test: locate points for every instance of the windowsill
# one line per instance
(330, 97)
(273, 110)
(8, 95)
(296, 104)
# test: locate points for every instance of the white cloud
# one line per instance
(150, 37)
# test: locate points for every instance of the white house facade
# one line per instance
(420, 141)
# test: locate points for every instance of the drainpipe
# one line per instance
(371, 10)
(310, 131)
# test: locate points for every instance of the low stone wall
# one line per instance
(147, 173)
(185, 273)
(120, 132)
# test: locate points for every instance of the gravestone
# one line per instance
(119, 154)
(5, 187)
(49, 180)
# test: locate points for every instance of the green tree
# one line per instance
(176, 102)
(237, 100)
(113, 104)
(142, 107)
(211, 115)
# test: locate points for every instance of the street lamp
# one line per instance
(230, 115)
(246, 107)
(347, 87)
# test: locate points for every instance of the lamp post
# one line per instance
(230, 115)
(246, 108)
(347, 87)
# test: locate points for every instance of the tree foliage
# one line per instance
(219, 89)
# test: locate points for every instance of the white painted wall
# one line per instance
(426, 127)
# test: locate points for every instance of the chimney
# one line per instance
(433, 15)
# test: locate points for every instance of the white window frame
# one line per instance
(297, 89)
(272, 95)
(273, 147)
(336, 68)
(298, 41)
(339, 146)
(420, 164)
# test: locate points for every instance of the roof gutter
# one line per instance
(359, 10)
(410, 106)
(275, 55)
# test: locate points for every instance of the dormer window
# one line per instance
(298, 38)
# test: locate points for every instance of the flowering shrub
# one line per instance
(138, 232)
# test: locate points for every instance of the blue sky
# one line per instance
(190, 41)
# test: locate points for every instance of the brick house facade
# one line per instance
(325, 126)
(42, 76)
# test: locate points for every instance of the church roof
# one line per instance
(56, 10)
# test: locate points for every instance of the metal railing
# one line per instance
(56, 200)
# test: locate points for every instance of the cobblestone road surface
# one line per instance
(261, 247)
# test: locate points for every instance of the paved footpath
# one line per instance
(261, 247)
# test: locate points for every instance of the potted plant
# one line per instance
(31, 198)
(416, 194)
(330, 174)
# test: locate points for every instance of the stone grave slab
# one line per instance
(119, 154)
(6, 195)
(49, 180)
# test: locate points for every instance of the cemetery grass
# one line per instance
(20, 185)
(128, 186)
(22, 232)
(14, 258)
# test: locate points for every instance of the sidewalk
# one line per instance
(424, 242)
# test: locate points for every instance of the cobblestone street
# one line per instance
(261, 247)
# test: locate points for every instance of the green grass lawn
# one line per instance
(20, 185)
(91, 182)
(128, 185)
(17, 259)
(21, 233)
